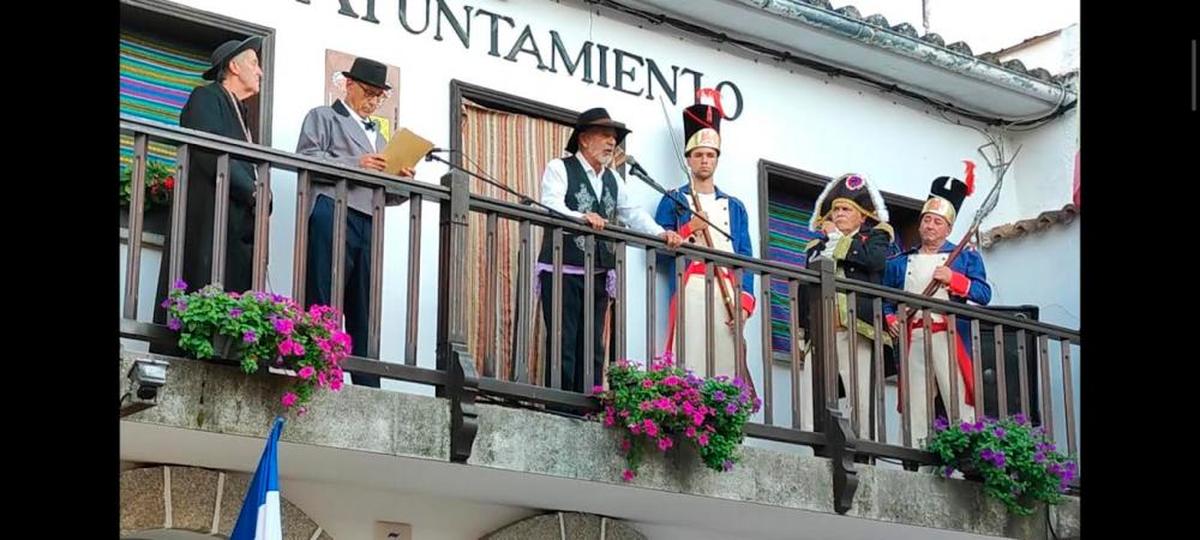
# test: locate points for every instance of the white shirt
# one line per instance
(370, 133)
(554, 192)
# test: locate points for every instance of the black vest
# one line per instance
(582, 198)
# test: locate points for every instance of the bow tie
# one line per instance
(368, 125)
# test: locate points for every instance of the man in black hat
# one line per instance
(851, 218)
(584, 186)
(344, 133)
(219, 108)
(961, 280)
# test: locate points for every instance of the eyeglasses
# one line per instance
(372, 92)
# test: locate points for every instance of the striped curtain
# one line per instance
(155, 80)
(788, 215)
(513, 149)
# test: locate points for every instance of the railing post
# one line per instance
(827, 419)
(452, 354)
(823, 319)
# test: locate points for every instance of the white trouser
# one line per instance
(919, 421)
(863, 397)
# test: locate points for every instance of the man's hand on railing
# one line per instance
(408, 172)
(894, 328)
(594, 220)
(672, 239)
(374, 162)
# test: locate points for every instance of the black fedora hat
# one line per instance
(595, 117)
(226, 51)
(367, 71)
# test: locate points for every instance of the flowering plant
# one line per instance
(666, 404)
(160, 181)
(1017, 462)
(262, 329)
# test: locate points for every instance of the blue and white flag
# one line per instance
(260, 518)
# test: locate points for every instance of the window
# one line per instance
(164, 49)
(509, 139)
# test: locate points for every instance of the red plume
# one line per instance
(715, 96)
(970, 180)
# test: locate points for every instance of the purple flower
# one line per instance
(174, 323)
(995, 457)
(940, 424)
(1000, 433)
(181, 304)
(235, 312)
(179, 284)
(718, 396)
(727, 465)
(1039, 457)
(949, 471)
(732, 408)
(249, 336)
(1020, 418)
(284, 326)
(166, 304)
(967, 427)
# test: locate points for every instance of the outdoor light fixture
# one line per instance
(145, 378)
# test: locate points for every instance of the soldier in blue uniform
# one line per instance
(963, 279)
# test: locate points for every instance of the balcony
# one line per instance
(447, 401)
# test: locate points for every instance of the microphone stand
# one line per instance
(637, 171)
(430, 156)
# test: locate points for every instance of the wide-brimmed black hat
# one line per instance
(853, 189)
(367, 71)
(596, 117)
(226, 51)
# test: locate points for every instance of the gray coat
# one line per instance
(331, 133)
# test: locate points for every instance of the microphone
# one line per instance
(636, 169)
(436, 150)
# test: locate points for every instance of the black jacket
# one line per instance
(864, 260)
